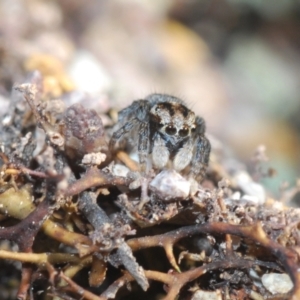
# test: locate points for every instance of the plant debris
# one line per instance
(74, 210)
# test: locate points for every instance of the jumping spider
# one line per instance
(163, 128)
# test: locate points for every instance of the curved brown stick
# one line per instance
(95, 178)
(175, 281)
(287, 256)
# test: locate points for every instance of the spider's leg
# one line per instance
(121, 133)
(144, 145)
(201, 157)
(143, 150)
(138, 109)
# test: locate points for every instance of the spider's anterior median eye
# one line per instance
(160, 125)
(183, 132)
(171, 130)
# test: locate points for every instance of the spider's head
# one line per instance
(174, 121)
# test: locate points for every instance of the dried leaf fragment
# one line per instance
(98, 272)
(84, 132)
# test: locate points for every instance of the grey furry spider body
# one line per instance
(167, 132)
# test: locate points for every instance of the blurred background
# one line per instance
(235, 62)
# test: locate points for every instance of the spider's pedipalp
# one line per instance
(184, 156)
(121, 133)
(160, 153)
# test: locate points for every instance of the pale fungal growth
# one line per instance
(95, 159)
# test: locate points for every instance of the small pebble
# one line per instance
(277, 283)
(169, 185)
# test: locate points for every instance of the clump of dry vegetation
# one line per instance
(73, 209)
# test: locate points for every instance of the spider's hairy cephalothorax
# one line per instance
(163, 128)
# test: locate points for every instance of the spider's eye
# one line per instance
(183, 132)
(171, 130)
(193, 129)
(160, 125)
